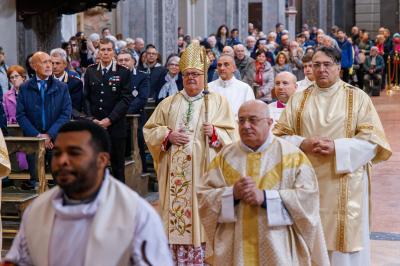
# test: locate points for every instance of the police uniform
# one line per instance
(75, 88)
(109, 96)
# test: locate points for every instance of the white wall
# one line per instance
(8, 30)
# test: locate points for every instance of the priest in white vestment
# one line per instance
(308, 73)
(5, 169)
(285, 86)
(182, 142)
(338, 128)
(90, 218)
(234, 90)
(259, 201)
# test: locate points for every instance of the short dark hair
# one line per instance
(307, 58)
(234, 29)
(99, 138)
(104, 29)
(150, 45)
(107, 41)
(126, 51)
(331, 52)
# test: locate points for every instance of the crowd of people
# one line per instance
(256, 146)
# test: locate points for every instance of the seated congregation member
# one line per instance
(75, 85)
(282, 63)
(16, 75)
(264, 77)
(43, 106)
(245, 64)
(172, 82)
(89, 218)
(235, 91)
(373, 67)
(259, 199)
(285, 86)
(140, 82)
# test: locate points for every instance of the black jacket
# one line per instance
(75, 88)
(141, 84)
(108, 96)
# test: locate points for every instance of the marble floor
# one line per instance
(385, 186)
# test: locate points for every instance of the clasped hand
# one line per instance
(245, 189)
(318, 146)
(180, 138)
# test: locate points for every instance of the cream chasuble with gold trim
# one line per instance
(342, 113)
(180, 169)
(251, 240)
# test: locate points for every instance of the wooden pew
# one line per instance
(29, 145)
(133, 170)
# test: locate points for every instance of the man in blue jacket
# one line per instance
(347, 55)
(373, 68)
(43, 106)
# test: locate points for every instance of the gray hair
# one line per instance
(94, 37)
(292, 76)
(59, 52)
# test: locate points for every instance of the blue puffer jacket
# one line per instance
(57, 105)
(347, 53)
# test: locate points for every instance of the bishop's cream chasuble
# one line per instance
(180, 168)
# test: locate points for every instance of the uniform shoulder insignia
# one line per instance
(141, 71)
(92, 65)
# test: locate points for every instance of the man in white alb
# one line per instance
(235, 91)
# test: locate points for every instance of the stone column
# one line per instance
(291, 14)
(273, 12)
(169, 27)
(243, 19)
(8, 30)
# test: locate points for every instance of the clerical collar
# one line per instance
(192, 98)
(332, 88)
(226, 83)
(262, 148)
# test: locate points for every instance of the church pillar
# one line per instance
(291, 21)
(8, 30)
(169, 26)
(274, 10)
(243, 19)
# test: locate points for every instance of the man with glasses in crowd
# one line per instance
(338, 128)
(183, 136)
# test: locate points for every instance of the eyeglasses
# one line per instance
(325, 64)
(15, 77)
(174, 65)
(192, 74)
(252, 120)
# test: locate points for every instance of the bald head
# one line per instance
(254, 123)
(285, 85)
(41, 63)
